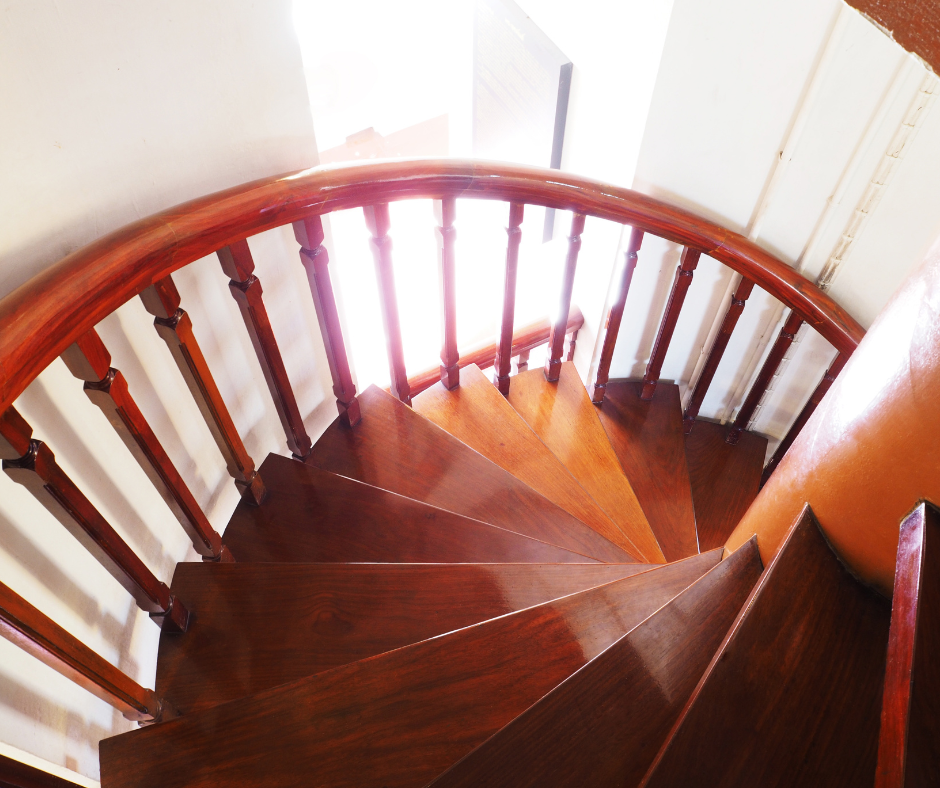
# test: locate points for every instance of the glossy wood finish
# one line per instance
(269, 624)
(503, 361)
(479, 416)
(912, 23)
(614, 317)
(556, 342)
(89, 360)
(450, 370)
(909, 739)
(793, 695)
(680, 286)
(316, 260)
(563, 417)
(725, 479)
(400, 718)
(647, 438)
(31, 463)
(14, 774)
(239, 266)
(404, 453)
(735, 308)
(604, 724)
(162, 300)
(378, 222)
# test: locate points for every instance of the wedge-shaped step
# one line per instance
(794, 693)
(477, 414)
(648, 440)
(604, 725)
(562, 415)
(311, 515)
(400, 718)
(262, 625)
(396, 449)
(725, 479)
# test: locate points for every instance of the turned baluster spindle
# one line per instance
(556, 341)
(680, 286)
(614, 318)
(735, 309)
(522, 361)
(239, 266)
(89, 360)
(162, 300)
(450, 372)
(316, 261)
(31, 463)
(503, 362)
(777, 352)
(572, 345)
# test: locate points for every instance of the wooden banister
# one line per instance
(450, 372)
(503, 362)
(556, 342)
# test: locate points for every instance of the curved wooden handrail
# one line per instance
(44, 316)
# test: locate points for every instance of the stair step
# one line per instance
(794, 693)
(262, 625)
(478, 415)
(396, 449)
(648, 439)
(562, 415)
(400, 718)
(313, 516)
(604, 724)
(725, 479)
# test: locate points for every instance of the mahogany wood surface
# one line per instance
(793, 695)
(450, 357)
(912, 23)
(556, 342)
(270, 624)
(14, 774)
(399, 718)
(402, 452)
(604, 724)
(478, 415)
(647, 437)
(909, 740)
(725, 479)
(503, 360)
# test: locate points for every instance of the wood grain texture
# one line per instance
(796, 685)
(503, 360)
(647, 437)
(725, 479)
(604, 724)
(914, 24)
(399, 718)
(14, 774)
(478, 415)
(563, 417)
(402, 452)
(556, 342)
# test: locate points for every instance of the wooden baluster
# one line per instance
(503, 361)
(556, 342)
(162, 300)
(522, 361)
(614, 318)
(31, 463)
(450, 372)
(237, 263)
(735, 309)
(777, 352)
(89, 360)
(316, 260)
(572, 345)
(680, 287)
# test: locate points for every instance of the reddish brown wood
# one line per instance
(909, 741)
(238, 265)
(522, 361)
(680, 286)
(37, 470)
(162, 300)
(89, 360)
(450, 370)
(14, 774)
(400, 718)
(503, 361)
(912, 23)
(316, 260)
(556, 342)
(796, 684)
(572, 345)
(735, 308)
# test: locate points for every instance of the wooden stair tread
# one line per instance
(725, 479)
(604, 724)
(400, 718)
(396, 449)
(478, 415)
(648, 439)
(562, 415)
(311, 515)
